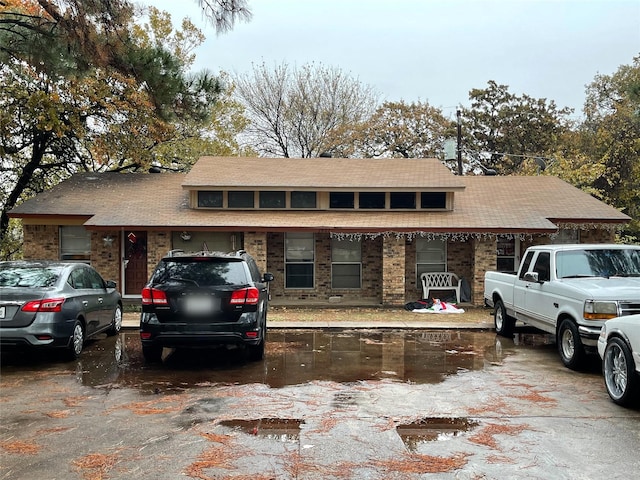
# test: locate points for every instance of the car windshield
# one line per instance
(29, 277)
(598, 263)
(201, 272)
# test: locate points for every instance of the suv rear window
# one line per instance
(201, 271)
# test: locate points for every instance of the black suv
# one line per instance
(204, 299)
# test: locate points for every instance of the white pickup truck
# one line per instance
(568, 291)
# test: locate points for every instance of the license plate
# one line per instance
(200, 305)
(3, 312)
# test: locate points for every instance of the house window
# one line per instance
(346, 263)
(210, 199)
(241, 199)
(403, 200)
(299, 259)
(433, 200)
(341, 200)
(75, 243)
(507, 254)
(431, 256)
(272, 200)
(371, 200)
(303, 199)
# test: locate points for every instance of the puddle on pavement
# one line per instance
(280, 429)
(433, 429)
(293, 357)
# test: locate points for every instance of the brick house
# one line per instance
(350, 231)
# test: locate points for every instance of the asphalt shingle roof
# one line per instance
(321, 173)
(158, 201)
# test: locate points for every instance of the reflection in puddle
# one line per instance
(282, 430)
(293, 357)
(433, 429)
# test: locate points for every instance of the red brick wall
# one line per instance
(41, 242)
(255, 243)
(393, 271)
(105, 257)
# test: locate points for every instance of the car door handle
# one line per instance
(100, 300)
(85, 303)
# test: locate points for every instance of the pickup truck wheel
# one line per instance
(569, 345)
(504, 323)
(618, 369)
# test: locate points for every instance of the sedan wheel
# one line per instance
(116, 322)
(619, 372)
(77, 341)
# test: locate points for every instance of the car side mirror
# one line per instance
(110, 284)
(531, 277)
(268, 277)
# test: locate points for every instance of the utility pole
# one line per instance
(459, 149)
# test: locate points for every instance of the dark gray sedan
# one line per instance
(55, 305)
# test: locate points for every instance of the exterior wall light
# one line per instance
(108, 240)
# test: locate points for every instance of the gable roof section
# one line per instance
(159, 201)
(424, 174)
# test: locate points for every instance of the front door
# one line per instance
(135, 260)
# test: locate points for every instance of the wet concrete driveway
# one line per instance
(322, 405)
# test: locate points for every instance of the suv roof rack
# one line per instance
(204, 253)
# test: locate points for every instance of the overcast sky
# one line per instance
(433, 50)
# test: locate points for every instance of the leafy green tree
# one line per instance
(502, 129)
(397, 129)
(610, 136)
(84, 90)
(296, 112)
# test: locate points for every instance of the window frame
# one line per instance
(242, 195)
(81, 235)
(337, 244)
(289, 237)
(272, 199)
(420, 270)
(513, 257)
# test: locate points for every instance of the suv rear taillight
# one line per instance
(153, 296)
(245, 296)
(47, 305)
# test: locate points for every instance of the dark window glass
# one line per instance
(543, 266)
(433, 200)
(303, 199)
(95, 281)
(208, 272)
(525, 264)
(341, 200)
(241, 199)
(403, 200)
(345, 275)
(371, 200)
(210, 199)
(272, 199)
(299, 275)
